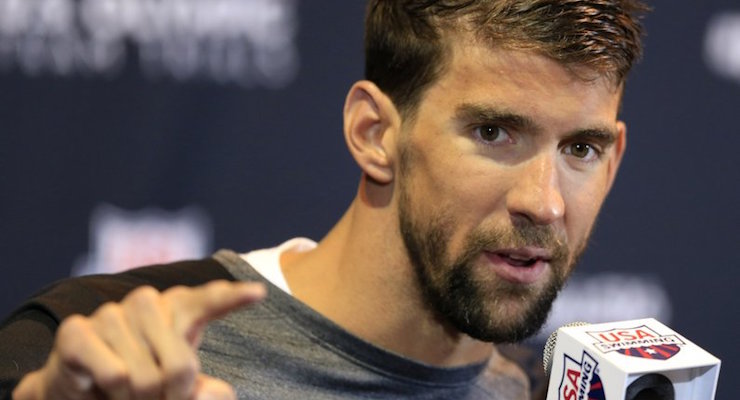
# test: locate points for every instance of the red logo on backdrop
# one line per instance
(641, 341)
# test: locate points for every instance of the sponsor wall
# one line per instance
(139, 131)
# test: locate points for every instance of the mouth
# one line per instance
(523, 257)
(520, 265)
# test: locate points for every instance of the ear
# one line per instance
(619, 146)
(370, 121)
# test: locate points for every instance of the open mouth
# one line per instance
(518, 260)
(524, 256)
(521, 265)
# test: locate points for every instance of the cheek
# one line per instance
(453, 191)
(467, 190)
(582, 207)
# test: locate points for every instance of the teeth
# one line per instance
(519, 260)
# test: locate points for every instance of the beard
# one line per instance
(469, 296)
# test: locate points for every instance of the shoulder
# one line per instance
(82, 295)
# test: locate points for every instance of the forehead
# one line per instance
(523, 81)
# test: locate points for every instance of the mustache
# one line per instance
(528, 235)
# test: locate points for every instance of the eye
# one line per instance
(492, 134)
(583, 151)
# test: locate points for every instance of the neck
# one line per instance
(360, 277)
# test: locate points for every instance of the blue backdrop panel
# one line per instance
(178, 127)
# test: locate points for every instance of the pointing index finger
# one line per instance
(193, 308)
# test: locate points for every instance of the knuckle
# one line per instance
(114, 379)
(147, 385)
(72, 326)
(110, 315)
(215, 290)
(143, 294)
(182, 371)
(71, 336)
(108, 310)
(177, 292)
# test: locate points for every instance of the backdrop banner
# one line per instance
(142, 131)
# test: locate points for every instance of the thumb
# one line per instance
(80, 380)
(208, 388)
(61, 381)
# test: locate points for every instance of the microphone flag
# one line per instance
(628, 360)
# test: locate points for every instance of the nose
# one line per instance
(536, 193)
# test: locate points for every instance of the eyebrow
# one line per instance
(476, 112)
(483, 113)
(603, 136)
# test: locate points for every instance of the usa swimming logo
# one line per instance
(580, 380)
(641, 341)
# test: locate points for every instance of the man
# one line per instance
(488, 138)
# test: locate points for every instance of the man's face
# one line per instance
(501, 177)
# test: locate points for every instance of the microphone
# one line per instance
(638, 359)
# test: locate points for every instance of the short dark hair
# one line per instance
(405, 48)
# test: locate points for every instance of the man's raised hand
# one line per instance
(141, 348)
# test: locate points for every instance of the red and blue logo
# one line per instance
(641, 341)
(580, 379)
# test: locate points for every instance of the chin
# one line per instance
(511, 313)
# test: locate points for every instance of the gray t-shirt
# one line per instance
(283, 349)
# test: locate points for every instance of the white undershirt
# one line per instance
(267, 261)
